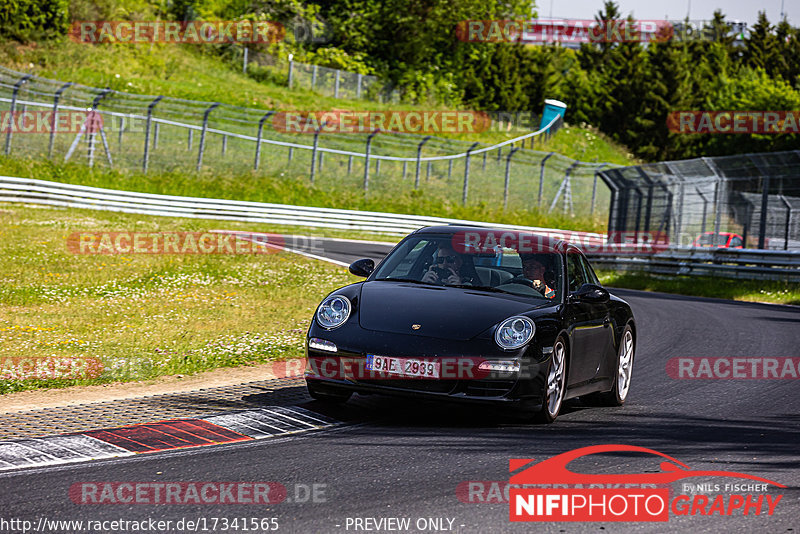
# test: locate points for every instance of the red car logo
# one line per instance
(554, 470)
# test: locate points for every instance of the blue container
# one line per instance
(552, 109)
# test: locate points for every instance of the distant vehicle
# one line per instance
(720, 240)
(513, 342)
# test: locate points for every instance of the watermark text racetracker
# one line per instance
(49, 368)
(46, 122)
(137, 242)
(734, 122)
(420, 121)
(582, 31)
(189, 32)
(734, 368)
(212, 493)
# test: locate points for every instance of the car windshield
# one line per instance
(716, 240)
(484, 264)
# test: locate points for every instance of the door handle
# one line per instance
(606, 321)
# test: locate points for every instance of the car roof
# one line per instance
(549, 242)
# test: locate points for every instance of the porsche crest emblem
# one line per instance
(415, 326)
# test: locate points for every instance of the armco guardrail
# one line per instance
(745, 264)
(32, 191)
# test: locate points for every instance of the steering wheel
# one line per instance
(521, 280)
(524, 282)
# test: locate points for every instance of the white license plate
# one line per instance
(403, 366)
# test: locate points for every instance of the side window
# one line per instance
(404, 268)
(575, 272)
(587, 268)
(736, 242)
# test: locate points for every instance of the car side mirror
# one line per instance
(362, 267)
(590, 293)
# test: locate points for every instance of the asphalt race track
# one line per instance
(399, 459)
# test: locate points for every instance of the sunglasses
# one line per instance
(448, 259)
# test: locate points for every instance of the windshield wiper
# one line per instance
(484, 288)
(411, 280)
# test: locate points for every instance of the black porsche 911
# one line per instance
(474, 315)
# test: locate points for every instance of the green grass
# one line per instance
(147, 315)
(770, 291)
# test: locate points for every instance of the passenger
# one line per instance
(534, 270)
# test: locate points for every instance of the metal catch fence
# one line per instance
(749, 200)
(147, 133)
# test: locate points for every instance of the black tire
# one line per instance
(323, 394)
(555, 384)
(623, 366)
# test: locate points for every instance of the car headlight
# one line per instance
(514, 332)
(333, 312)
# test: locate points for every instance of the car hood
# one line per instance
(441, 312)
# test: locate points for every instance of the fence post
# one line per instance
(314, 149)
(244, 61)
(336, 85)
(566, 188)
(90, 119)
(449, 169)
(762, 223)
(499, 154)
(747, 209)
(638, 211)
(358, 86)
(155, 136)
(428, 169)
(291, 152)
(349, 164)
(258, 137)
(366, 158)
(203, 134)
(484, 161)
(466, 174)
(313, 77)
(705, 211)
(14, 94)
(377, 167)
(321, 160)
(419, 154)
(594, 187)
(189, 139)
(788, 221)
(121, 129)
(717, 207)
(54, 123)
(291, 73)
(405, 169)
(508, 176)
(146, 158)
(541, 177)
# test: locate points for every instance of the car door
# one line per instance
(602, 339)
(589, 322)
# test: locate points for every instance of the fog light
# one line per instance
(321, 344)
(507, 366)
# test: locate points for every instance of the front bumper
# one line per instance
(345, 369)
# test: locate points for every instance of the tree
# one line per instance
(762, 50)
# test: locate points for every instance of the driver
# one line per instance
(534, 270)
(449, 268)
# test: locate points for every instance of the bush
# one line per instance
(27, 20)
